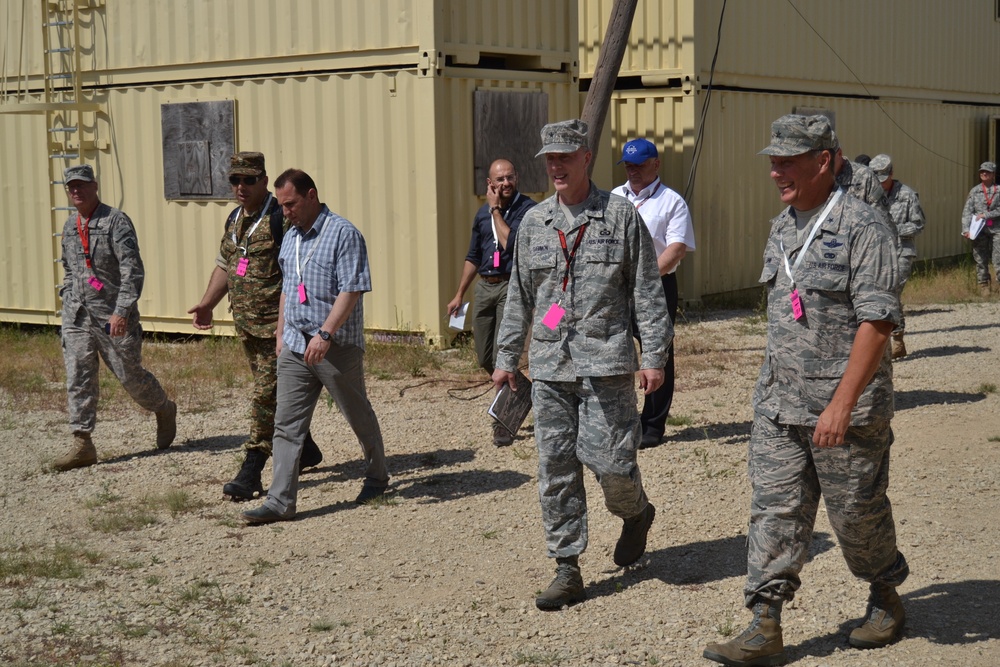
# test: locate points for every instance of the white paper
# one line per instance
(457, 321)
(976, 224)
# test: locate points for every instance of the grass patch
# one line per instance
(121, 519)
(260, 566)
(993, 438)
(938, 281)
(386, 361)
(58, 562)
(31, 369)
(679, 420)
(116, 518)
(387, 500)
(987, 388)
(321, 626)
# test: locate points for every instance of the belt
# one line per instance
(495, 280)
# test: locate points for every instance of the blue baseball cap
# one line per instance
(638, 151)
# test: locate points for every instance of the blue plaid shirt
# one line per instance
(338, 262)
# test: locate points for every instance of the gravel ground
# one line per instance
(446, 572)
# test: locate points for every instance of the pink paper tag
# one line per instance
(302, 292)
(496, 260)
(95, 283)
(796, 304)
(551, 319)
(241, 268)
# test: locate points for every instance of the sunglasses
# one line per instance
(245, 180)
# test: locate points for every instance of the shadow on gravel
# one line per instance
(905, 400)
(695, 564)
(215, 442)
(733, 433)
(943, 351)
(927, 311)
(961, 612)
(960, 327)
(398, 464)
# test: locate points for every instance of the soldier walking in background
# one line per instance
(102, 284)
(823, 400)
(984, 203)
(247, 269)
(582, 257)
(908, 217)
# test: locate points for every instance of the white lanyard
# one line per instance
(503, 214)
(260, 217)
(298, 241)
(790, 270)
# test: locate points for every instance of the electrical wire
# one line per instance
(873, 98)
(689, 188)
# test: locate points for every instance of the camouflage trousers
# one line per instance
(788, 474)
(986, 249)
(592, 422)
(264, 369)
(905, 264)
(83, 341)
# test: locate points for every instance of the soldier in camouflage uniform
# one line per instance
(582, 257)
(823, 400)
(102, 284)
(247, 269)
(908, 217)
(984, 202)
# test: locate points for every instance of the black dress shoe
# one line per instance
(264, 514)
(650, 440)
(369, 493)
(311, 454)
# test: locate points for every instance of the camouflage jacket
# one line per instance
(907, 215)
(848, 276)
(976, 203)
(114, 251)
(614, 267)
(253, 297)
(861, 182)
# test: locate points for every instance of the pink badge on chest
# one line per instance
(95, 283)
(302, 293)
(241, 268)
(797, 311)
(553, 316)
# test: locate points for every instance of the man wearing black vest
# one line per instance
(247, 269)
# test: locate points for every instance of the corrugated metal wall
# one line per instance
(904, 48)
(373, 99)
(660, 42)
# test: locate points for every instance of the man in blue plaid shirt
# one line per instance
(320, 341)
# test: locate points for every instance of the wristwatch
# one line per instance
(325, 335)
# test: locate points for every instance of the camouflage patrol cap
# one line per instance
(793, 134)
(247, 164)
(988, 166)
(881, 164)
(567, 136)
(81, 172)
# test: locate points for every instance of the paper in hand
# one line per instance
(457, 320)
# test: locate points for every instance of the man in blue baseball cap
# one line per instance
(668, 219)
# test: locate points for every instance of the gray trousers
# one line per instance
(82, 341)
(788, 473)
(299, 386)
(592, 422)
(487, 313)
(986, 249)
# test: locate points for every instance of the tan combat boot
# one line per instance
(566, 589)
(81, 454)
(760, 645)
(898, 346)
(166, 425)
(884, 619)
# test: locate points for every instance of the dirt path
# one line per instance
(446, 573)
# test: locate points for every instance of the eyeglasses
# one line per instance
(245, 180)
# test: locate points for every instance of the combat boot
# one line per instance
(566, 589)
(82, 453)
(898, 346)
(247, 481)
(760, 645)
(501, 436)
(632, 542)
(166, 425)
(884, 619)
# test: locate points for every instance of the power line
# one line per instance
(689, 188)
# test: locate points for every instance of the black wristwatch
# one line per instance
(325, 335)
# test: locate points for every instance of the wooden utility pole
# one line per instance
(595, 109)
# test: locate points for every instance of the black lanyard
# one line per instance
(570, 256)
